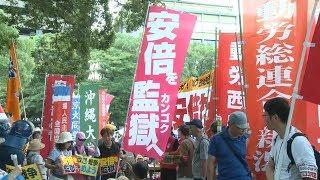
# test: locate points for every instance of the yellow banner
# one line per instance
(88, 166)
(70, 164)
(109, 165)
(28, 172)
(193, 83)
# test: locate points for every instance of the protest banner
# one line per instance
(28, 172)
(57, 118)
(229, 78)
(89, 112)
(153, 98)
(88, 166)
(70, 164)
(194, 100)
(273, 41)
(109, 165)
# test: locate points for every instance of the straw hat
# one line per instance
(2, 140)
(65, 137)
(35, 145)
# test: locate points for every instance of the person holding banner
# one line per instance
(305, 167)
(109, 153)
(63, 148)
(81, 149)
(34, 157)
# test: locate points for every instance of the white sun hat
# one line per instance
(65, 137)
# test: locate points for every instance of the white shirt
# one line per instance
(302, 154)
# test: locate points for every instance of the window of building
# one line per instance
(210, 42)
(196, 40)
(228, 19)
(210, 18)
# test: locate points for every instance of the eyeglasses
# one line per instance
(242, 129)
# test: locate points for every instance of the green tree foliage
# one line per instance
(118, 64)
(79, 24)
(50, 58)
(24, 46)
(200, 59)
(133, 14)
(7, 33)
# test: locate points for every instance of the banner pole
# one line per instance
(242, 84)
(295, 95)
(132, 87)
(242, 70)
(211, 84)
(215, 99)
(44, 95)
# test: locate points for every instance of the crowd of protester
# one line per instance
(191, 155)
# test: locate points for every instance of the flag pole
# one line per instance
(215, 72)
(212, 76)
(295, 94)
(241, 69)
(43, 101)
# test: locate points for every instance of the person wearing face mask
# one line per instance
(81, 149)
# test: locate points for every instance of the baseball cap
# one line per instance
(239, 119)
(195, 122)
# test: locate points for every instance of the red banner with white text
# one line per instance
(194, 101)
(274, 31)
(152, 103)
(229, 79)
(57, 107)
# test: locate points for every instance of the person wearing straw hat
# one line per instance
(34, 157)
(63, 148)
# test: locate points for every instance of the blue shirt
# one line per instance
(229, 167)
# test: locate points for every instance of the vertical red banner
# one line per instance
(274, 32)
(104, 104)
(152, 103)
(57, 107)
(229, 79)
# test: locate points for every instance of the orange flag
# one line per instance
(13, 88)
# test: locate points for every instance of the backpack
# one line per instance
(289, 152)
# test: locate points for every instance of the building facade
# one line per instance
(211, 15)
